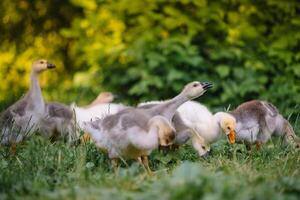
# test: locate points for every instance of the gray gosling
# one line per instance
(20, 120)
(258, 120)
(133, 133)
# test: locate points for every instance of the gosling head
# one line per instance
(105, 97)
(200, 145)
(166, 132)
(41, 65)
(166, 136)
(195, 89)
(228, 125)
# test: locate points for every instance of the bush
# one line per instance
(146, 50)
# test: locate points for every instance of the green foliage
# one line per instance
(145, 50)
(248, 49)
(29, 30)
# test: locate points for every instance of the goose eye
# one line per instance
(195, 84)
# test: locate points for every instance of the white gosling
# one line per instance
(102, 98)
(98, 109)
(135, 132)
(205, 124)
(96, 112)
(205, 127)
(21, 119)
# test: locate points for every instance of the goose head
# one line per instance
(228, 125)
(166, 132)
(195, 89)
(41, 65)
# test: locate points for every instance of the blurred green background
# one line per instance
(147, 50)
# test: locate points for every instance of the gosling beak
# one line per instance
(116, 96)
(206, 85)
(50, 66)
(164, 149)
(231, 137)
(205, 156)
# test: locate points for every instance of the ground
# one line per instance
(44, 170)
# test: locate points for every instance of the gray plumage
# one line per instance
(20, 120)
(55, 109)
(124, 130)
(258, 120)
(15, 124)
(141, 115)
(183, 132)
(130, 117)
(58, 122)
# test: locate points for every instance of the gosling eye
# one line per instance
(228, 127)
(195, 84)
(203, 147)
(42, 62)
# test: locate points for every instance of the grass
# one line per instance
(44, 170)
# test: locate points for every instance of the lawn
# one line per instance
(44, 170)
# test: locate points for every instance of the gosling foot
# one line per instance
(258, 145)
(115, 166)
(85, 138)
(143, 160)
(13, 149)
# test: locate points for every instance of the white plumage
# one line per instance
(200, 119)
(207, 128)
(95, 112)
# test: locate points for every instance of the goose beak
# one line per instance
(50, 66)
(206, 85)
(231, 137)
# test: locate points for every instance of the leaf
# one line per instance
(223, 70)
(296, 69)
(89, 165)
